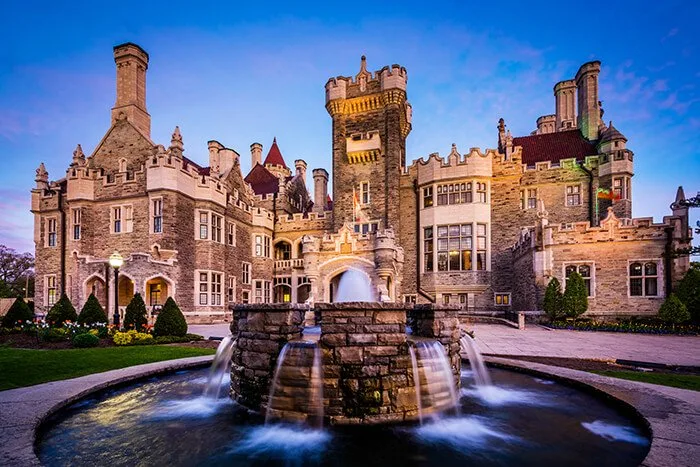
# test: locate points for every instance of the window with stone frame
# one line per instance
(216, 279)
(409, 298)
(261, 246)
(364, 193)
(501, 299)
(51, 290)
(245, 296)
(217, 222)
(262, 291)
(231, 234)
(428, 249)
(117, 219)
(245, 275)
(76, 217)
(644, 279)
(573, 195)
(128, 212)
(231, 290)
(203, 225)
(481, 192)
(157, 207)
(446, 299)
(481, 247)
(51, 232)
(454, 193)
(203, 288)
(427, 196)
(268, 291)
(365, 228)
(586, 271)
(454, 247)
(621, 188)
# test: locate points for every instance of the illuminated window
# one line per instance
(427, 197)
(502, 299)
(51, 291)
(481, 247)
(454, 247)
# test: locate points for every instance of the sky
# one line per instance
(239, 73)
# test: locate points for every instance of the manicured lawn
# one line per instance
(682, 381)
(25, 367)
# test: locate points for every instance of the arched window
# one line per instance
(644, 279)
(283, 250)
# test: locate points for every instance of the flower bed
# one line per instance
(633, 326)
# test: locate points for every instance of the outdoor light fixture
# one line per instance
(116, 261)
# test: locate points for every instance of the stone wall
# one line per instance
(442, 324)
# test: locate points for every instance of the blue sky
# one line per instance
(241, 73)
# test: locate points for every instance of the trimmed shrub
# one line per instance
(575, 298)
(55, 335)
(688, 292)
(170, 321)
(19, 311)
(83, 341)
(673, 310)
(553, 298)
(62, 311)
(135, 316)
(92, 312)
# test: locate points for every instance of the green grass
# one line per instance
(691, 382)
(26, 367)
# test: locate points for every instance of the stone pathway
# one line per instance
(539, 341)
(497, 339)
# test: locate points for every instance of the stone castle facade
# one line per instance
(483, 229)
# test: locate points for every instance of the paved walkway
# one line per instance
(497, 339)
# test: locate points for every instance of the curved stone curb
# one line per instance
(672, 414)
(23, 410)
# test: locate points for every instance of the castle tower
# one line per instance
(300, 169)
(274, 162)
(588, 104)
(615, 171)
(255, 154)
(371, 120)
(320, 189)
(565, 104)
(132, 63)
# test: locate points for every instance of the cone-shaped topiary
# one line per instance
(19, 311)
(170, 321)
(575, 299)
(92, 312)
(553, 299)
(62, 311)
(135, 316)
(688, 292)
(673, 310)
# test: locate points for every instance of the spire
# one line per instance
(42, 177)
(176, 145)
(363, 75)
(78, 156)
(274, 156)
(680, 196)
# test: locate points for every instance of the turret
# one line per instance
(132, 63)
(588, 104)
(214, 158)
(176, 146)
(78, 157)
(42, 177)
(565, 105)
(255, 154)
(320, 189)
(546, 124)
(300, 166)
(615, 171)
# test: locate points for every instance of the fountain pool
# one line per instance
(519, 420)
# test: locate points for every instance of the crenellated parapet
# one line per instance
(474, 164)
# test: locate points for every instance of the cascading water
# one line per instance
(354, 286)
(434, 380)
(476, 361)
(219, 367)
(296, 392)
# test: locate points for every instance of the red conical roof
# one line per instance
(274, 156)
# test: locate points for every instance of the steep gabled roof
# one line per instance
(274, 156)
(262, 181)
(555, 146)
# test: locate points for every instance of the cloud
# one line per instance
(673, 32)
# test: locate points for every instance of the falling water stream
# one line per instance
(476, 361)
(219, 367)
(435, 383)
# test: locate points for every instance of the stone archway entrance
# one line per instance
(96, 286)
(157, 292)
(126, 290)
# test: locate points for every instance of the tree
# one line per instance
(16, 273)
(92, 312)
(575, 300)
(19, 311)
(170, 321)
(135, 316)
(673, 310)
(62, 311)
(693, 202)
(688, 292)
(553, 298)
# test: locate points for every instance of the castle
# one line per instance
(482, 229)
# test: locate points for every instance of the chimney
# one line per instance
(564, 103)
(588, 104)
(132, 63)
(214, 157)
(320, 190)
(300, 166)
(255, 154)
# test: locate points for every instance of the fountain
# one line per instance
(219, 367)
(476, 361)
(433, 379)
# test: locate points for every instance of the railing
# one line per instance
(289, 263)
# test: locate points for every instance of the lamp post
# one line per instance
(116, 261)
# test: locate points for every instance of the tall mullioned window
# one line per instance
(203, 225)
(216, 288)
(231, 290)
(481, 191)
(203, 288)
(644, 279)
(427, 197)
(428, 249)
(117, 219)
(217, 222)
(76, 215)
(51, 291)
(364, 193)
(231, 234)
(245, 275)
(585, 271)
(481, 247)
(158, 215)
(51, 232)
(573, 195)
(454, 247)
(454, 193)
